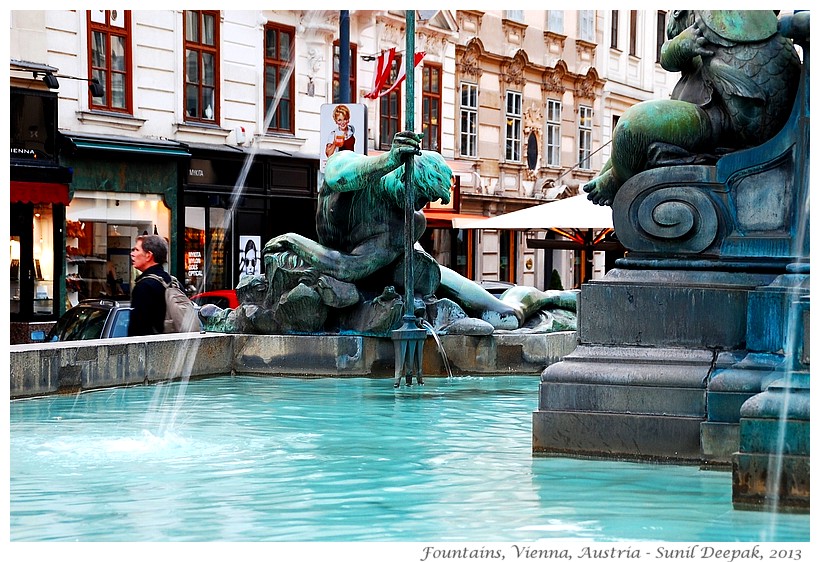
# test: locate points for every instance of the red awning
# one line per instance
(39, 192)
(442, 219)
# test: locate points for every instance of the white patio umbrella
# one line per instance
(583, 223)
(577, 212)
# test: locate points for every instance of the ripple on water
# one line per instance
(294, 459)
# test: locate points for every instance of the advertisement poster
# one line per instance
(342, 126)
(250, 262)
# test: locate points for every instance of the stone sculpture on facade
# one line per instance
(349, 280)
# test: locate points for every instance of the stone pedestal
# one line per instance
(771, 471)
(771, 468)
(770, 326)
(636, 385)
(688, 351)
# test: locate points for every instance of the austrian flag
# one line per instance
(383, 66)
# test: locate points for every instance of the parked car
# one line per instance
(91, 319)
(225, 298)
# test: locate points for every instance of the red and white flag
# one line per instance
(383, 67)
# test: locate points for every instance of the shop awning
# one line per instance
(39, 192)
(444, 219)
(126, 145)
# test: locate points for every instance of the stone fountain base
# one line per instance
(636, 387)
(687, 367)
(42, 369)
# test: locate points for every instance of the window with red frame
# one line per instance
(201, 65)
(390, 108)
(431, 106)
(353, 51)
(109, 48)
(280, 84)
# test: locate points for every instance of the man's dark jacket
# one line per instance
(148, 303)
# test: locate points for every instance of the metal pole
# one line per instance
(408, 340)
(344, 56)
(409, 195)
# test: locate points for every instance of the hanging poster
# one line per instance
(249, 255)
(342, 126)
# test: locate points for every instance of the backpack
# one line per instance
(180, 313)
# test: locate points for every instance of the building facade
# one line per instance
(204, 127)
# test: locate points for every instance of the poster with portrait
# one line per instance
(250, 254)
(342, 126)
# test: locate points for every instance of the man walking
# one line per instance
(148, 295)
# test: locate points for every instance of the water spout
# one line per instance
(440, 347)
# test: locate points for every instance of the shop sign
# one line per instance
(33, 127)
(201, 171)
(193, 264)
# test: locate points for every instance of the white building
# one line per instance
(181, 141)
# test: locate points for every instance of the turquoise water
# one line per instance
(287, 459)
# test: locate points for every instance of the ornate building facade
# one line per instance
(205, 127)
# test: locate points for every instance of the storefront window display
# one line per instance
(101, 229)
(32, 263)
(205, 259)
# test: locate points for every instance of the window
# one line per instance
(280, 84)
(584, 137)
(201, 65)
(660, 34)
(390, 109)
(586, 25)
(507, 251)
(613, 42)
(431, 106)
(109, 45)
(99, 238)
(514, 15)
(469, 120)
(35, 230)
(633, 32)
(464, 250)
(353, 55)
(512, 136)
(553, 133)
(555, 21)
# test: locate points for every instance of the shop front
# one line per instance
(38, 188)
(235, 200)
(122, 188)
(444, 239)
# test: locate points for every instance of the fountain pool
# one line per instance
(326, 459)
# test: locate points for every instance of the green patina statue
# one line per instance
(739, 78)
(347, 280)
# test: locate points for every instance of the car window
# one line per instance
(70, 322)
(120, 328)
(79, 323)
(93, 327)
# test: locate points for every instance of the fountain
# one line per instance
(633, 389)
(701, 356)
(367, 260)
